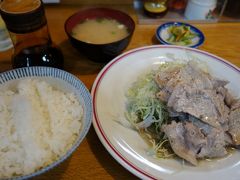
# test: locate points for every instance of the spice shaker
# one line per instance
(27, 26)
(200, 9)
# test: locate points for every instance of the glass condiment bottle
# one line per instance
(5, 41)
(155, 8)
(27, 26)
(177, 5)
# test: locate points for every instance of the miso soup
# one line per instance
(100, 31)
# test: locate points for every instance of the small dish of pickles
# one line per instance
(178, 33)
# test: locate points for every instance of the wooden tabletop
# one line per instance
(91, 160)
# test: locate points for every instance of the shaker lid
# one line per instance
(205, 2)
(23, 16)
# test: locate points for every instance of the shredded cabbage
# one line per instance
(147, 114)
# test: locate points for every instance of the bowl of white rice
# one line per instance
(45, 113)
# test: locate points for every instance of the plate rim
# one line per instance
(96, 122)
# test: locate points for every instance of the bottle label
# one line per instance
(26, 16)
(20, 6)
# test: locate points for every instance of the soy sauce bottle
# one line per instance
(27, 26)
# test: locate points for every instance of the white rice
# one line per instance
(38, 124)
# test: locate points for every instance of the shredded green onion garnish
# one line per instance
(147, 114)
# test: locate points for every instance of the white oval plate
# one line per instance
(125, 144)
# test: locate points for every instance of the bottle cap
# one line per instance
(24, 16)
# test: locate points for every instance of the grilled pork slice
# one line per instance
(191, 142)
(235, 104)
(215, 146)
(234, 125)
(167, 80)
(203, 104)
(175, 133)
(229, 100)
(190, 74)
(194, 138)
